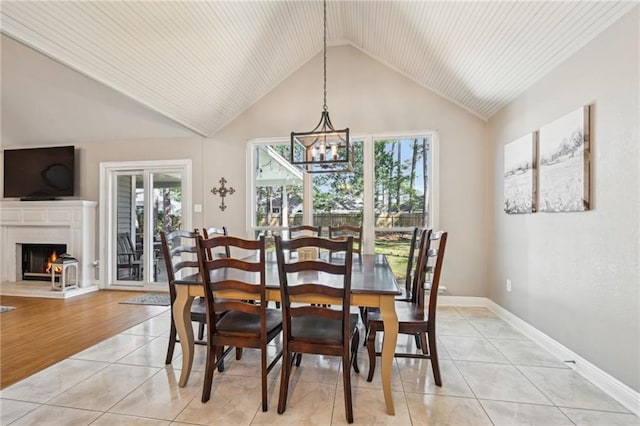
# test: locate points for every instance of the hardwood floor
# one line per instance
(41, 332)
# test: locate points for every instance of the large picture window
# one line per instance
(401, 195)
(338, 198)
(277, 189)
(392, 189)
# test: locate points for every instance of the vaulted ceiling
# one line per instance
(203, 63)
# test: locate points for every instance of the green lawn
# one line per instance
(396, 248)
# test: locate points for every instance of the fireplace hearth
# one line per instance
(37, 260)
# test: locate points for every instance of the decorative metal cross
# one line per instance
(223, 191)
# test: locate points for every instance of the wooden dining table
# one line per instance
(372, 285)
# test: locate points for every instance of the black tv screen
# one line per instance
(39, 173)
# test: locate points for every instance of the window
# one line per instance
(401, 195)
(392, 188)
(338, 198)
(277, 189)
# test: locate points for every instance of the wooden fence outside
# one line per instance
(393, 220)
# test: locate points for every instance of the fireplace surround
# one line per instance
(64, 222)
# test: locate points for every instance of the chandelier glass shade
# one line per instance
(322, 150)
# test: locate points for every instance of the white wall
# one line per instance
(366, 96)
(576, 275)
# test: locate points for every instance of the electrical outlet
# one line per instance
(508, 285)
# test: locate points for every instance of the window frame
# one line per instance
(369, 181)
(107, 223)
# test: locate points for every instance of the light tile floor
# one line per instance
(491, 374)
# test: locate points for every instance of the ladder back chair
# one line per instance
(214, 232)
(406, 295)
(304, 231)
(244, 324)
(315, 329)
(339, 232)
(414, 248)
(412, 318)
(179, 252)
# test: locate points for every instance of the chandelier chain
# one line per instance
(325, 108)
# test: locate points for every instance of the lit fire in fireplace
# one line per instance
(50, 261)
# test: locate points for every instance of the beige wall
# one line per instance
(90, 155)
(576, 275)
(47, 103)
(368, 97)
(362, 94)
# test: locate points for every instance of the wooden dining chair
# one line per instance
(304, 231)
(412, 318)
(211, 232)
(179, 252)
(244, 324)
(338, 232)
(407, 293)
(414, 247)
(315, 329)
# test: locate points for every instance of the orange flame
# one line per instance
(50, 261)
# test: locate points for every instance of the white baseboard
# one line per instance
(622, 393)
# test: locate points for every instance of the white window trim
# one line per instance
(369, 174)
(107, 219)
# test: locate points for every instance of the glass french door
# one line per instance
(143, 202)
(129, 223)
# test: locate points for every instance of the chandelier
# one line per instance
(324, 149)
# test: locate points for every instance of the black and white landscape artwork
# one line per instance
(519, 175)
(564, 163)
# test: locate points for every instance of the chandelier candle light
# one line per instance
(324, 149)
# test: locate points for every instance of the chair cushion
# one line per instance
(199, 307)
(405, 296)
(242, 323)
(318, 328)
(405, 310)
(199, 310)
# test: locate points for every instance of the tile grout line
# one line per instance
(517, 367)
(455, 364)
(510, 362)
(484, 338)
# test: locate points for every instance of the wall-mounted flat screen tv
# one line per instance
(39, 173)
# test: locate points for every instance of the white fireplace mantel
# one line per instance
(70, 222)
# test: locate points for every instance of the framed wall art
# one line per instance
(520, 175)
(564, 177)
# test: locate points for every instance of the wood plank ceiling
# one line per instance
(203, 63)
